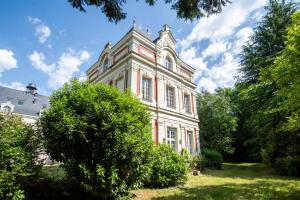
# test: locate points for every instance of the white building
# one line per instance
(152, 70)
(27, 104)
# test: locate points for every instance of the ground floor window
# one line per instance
(171, 137)
(190, 141)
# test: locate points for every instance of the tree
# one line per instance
(284, 153)
(186, 9)
(19, 146)
(216, 120)
(101, 136)
(256, 98)
(286, 75)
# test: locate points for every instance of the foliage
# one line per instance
(286, 76)
(18, 156)
(216, 120)
(285, 72)
(258, 122)
(186, 9)
(168, 168)
(101, 136)
(187, 157)
(288, 165)
(197, 163)
(211, 159)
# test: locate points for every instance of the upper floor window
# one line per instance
(168, 63)
(187, 103)
(146, 89)
(105, 64)
(170, 92)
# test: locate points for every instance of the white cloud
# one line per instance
(37, 59)
(15, 85)
(7, 60)
(242, 36)
(42, 31)
(220, 75)
(225, 39)
(61, 71)
(219, 26)
(214, 49)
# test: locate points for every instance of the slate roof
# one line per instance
(23, 102)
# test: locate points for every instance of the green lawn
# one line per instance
(234, 181)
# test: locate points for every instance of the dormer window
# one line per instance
(105, 64)
(6, 109)
(168, 63)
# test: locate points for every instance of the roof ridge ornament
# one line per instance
(166, 27)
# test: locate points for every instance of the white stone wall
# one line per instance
(146, 60)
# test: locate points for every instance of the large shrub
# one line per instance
(168, 168)
(211, 159)
(288, 165)
(101, 136)
(18, 153)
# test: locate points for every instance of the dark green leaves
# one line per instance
(186, 9)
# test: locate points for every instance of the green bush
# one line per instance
(18, 153)
(101, 135)
(211, 159)
(186, 157)
(197, 163)
(288, 166)
(168, 168)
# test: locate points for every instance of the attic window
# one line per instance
(105, 64)
(6, 109)
(168, 63)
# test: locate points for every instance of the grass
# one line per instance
(233, 182)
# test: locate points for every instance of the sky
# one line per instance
(48, 42)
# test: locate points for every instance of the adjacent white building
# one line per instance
(152, 70)
(28, 103)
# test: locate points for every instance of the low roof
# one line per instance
(23, 102)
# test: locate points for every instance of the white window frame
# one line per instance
(190, 141)
(168, 63)
(170, 97)
(187, 103)
(146, 89)
(119, 81)
(105, 64)
(171, 137)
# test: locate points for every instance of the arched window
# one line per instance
(105, 64)
(168, 63)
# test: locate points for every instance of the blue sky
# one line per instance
(49, 41)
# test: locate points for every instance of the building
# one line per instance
(152, 70)
(28, 104)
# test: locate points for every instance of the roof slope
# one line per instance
(23, 102)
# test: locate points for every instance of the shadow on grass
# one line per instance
(50, 189)
(259, 190)
(249, 171)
